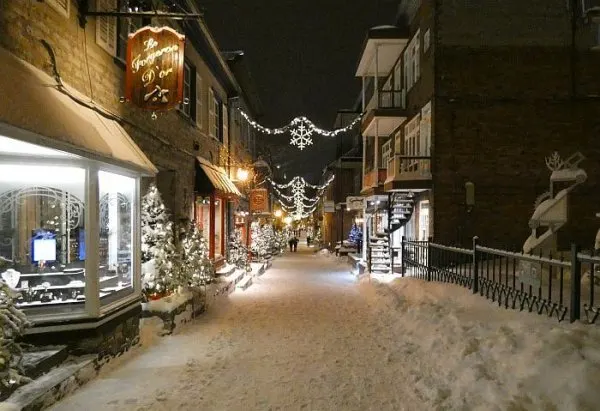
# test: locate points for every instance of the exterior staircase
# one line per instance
(401, 207)
(551, 210)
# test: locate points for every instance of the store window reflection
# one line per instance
(116, 235)
(42, 232)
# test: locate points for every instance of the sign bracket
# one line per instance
(84, 12)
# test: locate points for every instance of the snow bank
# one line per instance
(167, 304)
(324, 252)
(474, 355)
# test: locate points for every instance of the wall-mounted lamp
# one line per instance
(469, 196)
(242, 174)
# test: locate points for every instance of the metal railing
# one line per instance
(551, 285)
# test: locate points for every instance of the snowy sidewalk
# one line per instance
(305, 336)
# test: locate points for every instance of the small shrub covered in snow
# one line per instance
(13, 323)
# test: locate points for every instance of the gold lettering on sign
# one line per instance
(149, 59)
(154, 77)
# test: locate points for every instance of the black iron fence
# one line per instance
(553, 285)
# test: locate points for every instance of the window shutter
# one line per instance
(211, 112)
(199, 100)
(61, 6)
(106, 27)
(225, 125)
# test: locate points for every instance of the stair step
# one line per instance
(245, 283)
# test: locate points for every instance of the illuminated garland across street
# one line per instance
(298, 204)
(301, 129)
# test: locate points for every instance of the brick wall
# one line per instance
(167, 141)
(500, 146)
(509, 93)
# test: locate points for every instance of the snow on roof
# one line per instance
(65, 122)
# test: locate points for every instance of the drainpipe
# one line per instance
(376, 76)
(573, 6)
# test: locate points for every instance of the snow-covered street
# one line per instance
(307, 336)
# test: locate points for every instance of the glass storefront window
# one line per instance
(116, 208)
(42, 230)
(203, 216)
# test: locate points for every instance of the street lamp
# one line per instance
(278, 213)
(288, 220)
(242, 174)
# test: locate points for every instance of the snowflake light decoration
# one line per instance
(301, 133)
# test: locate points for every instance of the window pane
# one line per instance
(117, 205)
(42, 234)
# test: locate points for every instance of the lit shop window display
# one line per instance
(67, 230)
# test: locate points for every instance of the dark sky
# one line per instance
(303, 56)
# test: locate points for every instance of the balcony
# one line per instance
(373, 181)
(386, 112)
(408, 173)
(381, 50)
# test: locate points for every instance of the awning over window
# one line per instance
(217, 178)
(34, 110)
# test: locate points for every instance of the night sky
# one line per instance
(303, 56)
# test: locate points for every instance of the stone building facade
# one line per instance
(53, 41)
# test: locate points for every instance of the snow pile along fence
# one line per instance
(553, 285)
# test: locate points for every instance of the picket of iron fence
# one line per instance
(545, 285)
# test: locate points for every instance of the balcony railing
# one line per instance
(387, 99)
(409, 168)
(392, 99)
(374, 178)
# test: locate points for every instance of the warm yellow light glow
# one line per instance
(288, 220)
(242, 174)
(278, 213)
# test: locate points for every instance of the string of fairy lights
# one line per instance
(298, 204)
(301, 130)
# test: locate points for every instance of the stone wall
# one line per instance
(107, 340)
(171, 142)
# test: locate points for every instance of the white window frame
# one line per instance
(199, 98)
(425, 132)
(106, 27)
(412, 132)
(426, 40)
(56, 5)
(412, 57)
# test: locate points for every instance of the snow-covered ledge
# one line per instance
(163, 315)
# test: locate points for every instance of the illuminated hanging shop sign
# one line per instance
(154, 78)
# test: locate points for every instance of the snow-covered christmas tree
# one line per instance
(258, 245)
(355, 235)
(13, 322)
(238, 253)
(269, 235)
(197, 268)
(160, 268)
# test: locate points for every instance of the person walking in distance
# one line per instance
(295, 243)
